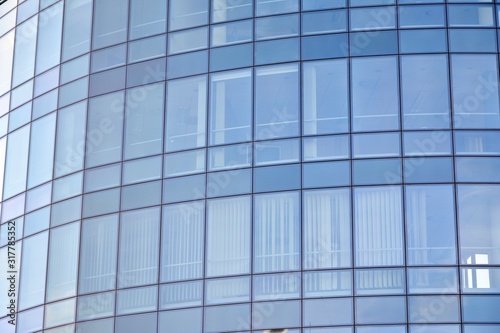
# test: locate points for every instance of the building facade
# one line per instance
(189, 166)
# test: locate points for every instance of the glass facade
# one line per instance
(212, 166)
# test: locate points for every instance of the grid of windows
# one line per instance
(189, 166)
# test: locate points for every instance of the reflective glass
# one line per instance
(230, 33)
(227, 10)
(187, 40)
(144, 121)
(375, 95)
(229, 290)
(181, 321)
(102, 178)
(276, 178)
(110, 23)
(110, 57)
(276, 152)
(381, 310)
(421, 16)
(229, 157)
(284, 314)
(68, 186)
(142, 170)
(270, 7)
(145, 323)
(66, 211)
(7, 54)
(326, 312)
(96, 306)
(187, 13)
(147, 20)
(186, 113)
(184, 163)
(276, 101)
(146, 49)
(33, 268)
(273, 286)
(24, 51)
(49, 38)
(477, 143)
(325, 101)
(276, 27)
(181, 294)
(326, 148)
(16, 165)
(324, 22)
(77, 28)
(41, 150)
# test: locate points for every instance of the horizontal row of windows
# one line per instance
(277, 232)
(280, 316)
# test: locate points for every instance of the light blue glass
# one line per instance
(276, 232)
(146, 72)
(471, 16)
(186, 113)
(285, 314)
(41, 150)
(473, 40)
(322, 4)
(375, 18)
(376, 171)
(70, 139)
(182, 321)
(231, 33)
(101, 326)
(105, 82)
(427, 143)
(38, 197)
(24, 51)
(187, 13)
(324, 22)
(7, 45)
(147, 20)
(144, 121)
(226, 318)
(187, 40)
(182, 224)
(276, 101)
(230, 157)
(327, 283)
(373, 43)
(108, 58)
(326, 174)
(276, 178)
(181, 294)
(480, 280)
(376, 145)
(102, 178)
(98, 254)
(48, 52)
(228, 243)
(325, 97)
(187, 64)
(227, 10)
(46, 81)
(478, 169)
(421, 16)
(438, 280)
(281, 50)
(475, 96)
(231, 107)
(19, 117)
(479, 224)
(63, 262)
(375, 98)
(276, 27)
(477, 143)
(21, 94)
(232, 182)
(16, 165)
(269, 7)
(73, 92)
(184, 163)
(378, 212)
(223, 58)
(276, 152)
(271, 286)
(323, 47)
(77, 28)
(36, 221)
(141, 195)
(381, 310)
(228, 290)
(33, 268)
(68, 186)
(104, 129)
(325, 148)
(423, 41)
(66, 211)
(137, 300)
(96, 306)
(130, 324)
(428, 170)
(425, 92)
(110, 23)
(184, 188)
(379, 281)
(146, 49)
(477, 309)
(142, 170)
(319, 312)
(103, 202)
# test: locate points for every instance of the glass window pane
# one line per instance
(41, 150)
(373, 18)
(276, 178)
(326, 148)
(108, 58)
(231, 290)
(143, 169)
(477, 143)
(276, 152)
(421, 16)
(60, 313)
(145, 323)
(7, 54)
(74, 91)
(479, 223)
(228, 243)
(77, 28)
(49, 38)
(24, 51)
(270, 7)
(187, 13)
(376, 145)
(96, 326)
(38, 197)
(33, 268)
(66, 211)
(427, 143)
(144, 121)
(146, 49)
(481, 309)
(104, 130)
(324, 22)
(423, 41)
(274, 51)
(480, 280)
(379, 281)
(276, 102)
(375, 94)
(228, 157)
(473, 40)
(182, 241)
(432, 280)
(470, 15)
(110, 23)
(16, 164)
(475, 98)
(102, 178)
(231, 33)
(181, 294)
(226, 318)
(187, 64)
(96, 306)
(231, 107)
(425, 92)
(187, 40)
(376, 171)
(139, 242)
(136, 300)
(428, 170)
(141, 195)
(181, 321)
(378, 226)
(186, 113)
(285, 314)
(98, 252)
(326, 229)
(327, 283)
(328, 312)
(70, 139)
(184, 188)
(326, 174)
(276, 232)
(147, 20)
(325, 90)
(102, 202)
(63, 262)
(227, 10)
(184, 163)
(276, 27)
(380, 310)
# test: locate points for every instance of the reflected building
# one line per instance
(196, 166)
